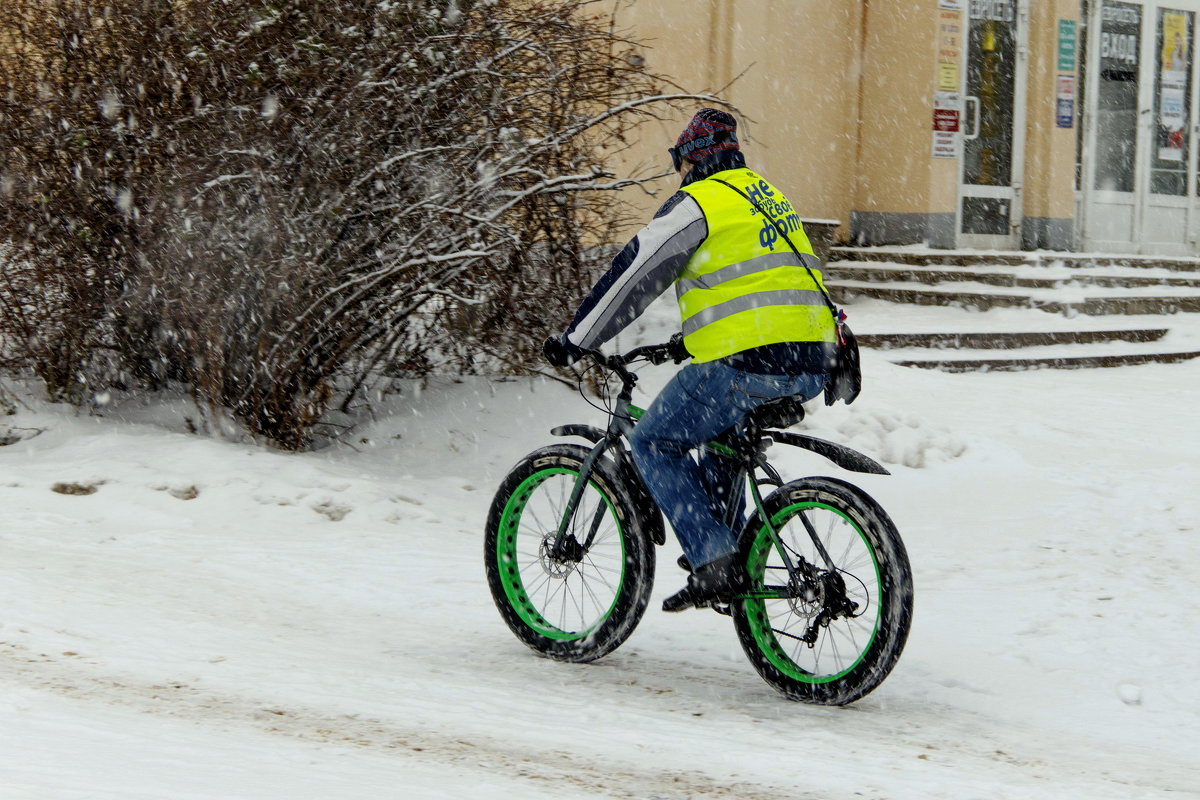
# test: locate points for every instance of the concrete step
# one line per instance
(968, 258)
(1050, 349)
(976, 287)
(1052, 278)
(1004, 340)
(1018, 363)
(1093, 302)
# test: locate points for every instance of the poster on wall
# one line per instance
(949, 50)
(995, 10)
(1064, 115)
(1172, 107)
(1068, 44)
(945, 124)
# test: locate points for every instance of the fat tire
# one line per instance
(768, 651)
(547, 471)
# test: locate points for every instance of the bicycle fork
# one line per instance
(567, 547)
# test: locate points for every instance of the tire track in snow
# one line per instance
(76, 678)
(966, 742)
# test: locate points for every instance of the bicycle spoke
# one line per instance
(534, 556)
(608, 538)
(591, 593)
(849, 633)
(551, 595)
(601, 570)
(541, 581)
(862, 560)
(539, 523)
(846, 553)
(816, 539)
(577, 602)
(833, 646)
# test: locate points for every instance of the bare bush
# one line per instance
(274, 202)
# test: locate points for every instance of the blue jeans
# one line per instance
(701, 401)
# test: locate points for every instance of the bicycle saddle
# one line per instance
(781, 413)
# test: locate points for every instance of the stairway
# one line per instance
(1032, 310)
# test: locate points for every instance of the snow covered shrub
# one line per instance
(275, 202)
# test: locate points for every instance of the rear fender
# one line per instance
(839, 454)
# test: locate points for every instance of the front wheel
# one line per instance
(830, 631)
(582, 600)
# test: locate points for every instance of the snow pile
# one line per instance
(900, 438)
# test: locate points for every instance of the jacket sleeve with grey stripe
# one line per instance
(642, 271)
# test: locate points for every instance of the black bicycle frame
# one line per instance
(620, 426)
(747, 447)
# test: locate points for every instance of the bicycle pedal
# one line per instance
(721, 609)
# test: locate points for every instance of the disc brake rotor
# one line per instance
(560, 566)
(810, 603)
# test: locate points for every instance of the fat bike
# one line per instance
(570, 551)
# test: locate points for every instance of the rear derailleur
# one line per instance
(830, 591)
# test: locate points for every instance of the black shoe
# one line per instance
(716, 582)
(684, 564)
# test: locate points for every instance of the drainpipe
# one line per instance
(1091, 77)
(858, 132)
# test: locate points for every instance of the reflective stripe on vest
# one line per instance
(746, 302)
(709, 280)
(744, 286)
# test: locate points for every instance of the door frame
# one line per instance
(1014, 193)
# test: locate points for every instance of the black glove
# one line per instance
(679, 352)
(560, 352)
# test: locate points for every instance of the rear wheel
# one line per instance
(833, 636)
(582, 601)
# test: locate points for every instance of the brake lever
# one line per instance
(659, 358)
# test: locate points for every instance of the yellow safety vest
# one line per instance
(744, 287)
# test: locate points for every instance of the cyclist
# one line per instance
(754, 321)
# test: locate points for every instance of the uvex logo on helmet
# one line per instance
(709, 132)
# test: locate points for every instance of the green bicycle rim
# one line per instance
(756, 613)
(510, 571)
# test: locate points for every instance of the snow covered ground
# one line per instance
(211, 619)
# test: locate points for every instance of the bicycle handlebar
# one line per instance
(654, 353)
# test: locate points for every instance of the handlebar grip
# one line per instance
(654, 353)
(677, 350)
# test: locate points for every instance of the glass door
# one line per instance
(1168, 204)
(1140, 192)
(989, 207)
(1112, 214)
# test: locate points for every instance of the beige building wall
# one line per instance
(835, 103)
(899, 180)
(1050, 151)
(894, 163)
(790, 67)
